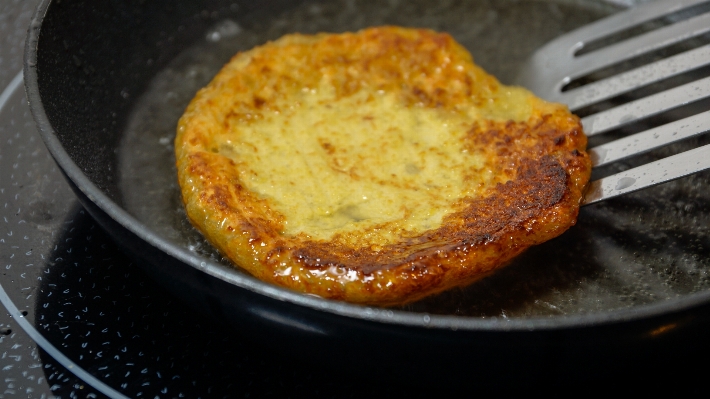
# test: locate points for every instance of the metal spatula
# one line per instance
(559, 70)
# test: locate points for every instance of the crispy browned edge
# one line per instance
(543, 162)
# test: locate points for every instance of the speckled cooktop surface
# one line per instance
(102, 326)
(80, 320)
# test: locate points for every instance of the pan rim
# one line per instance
(361, 312)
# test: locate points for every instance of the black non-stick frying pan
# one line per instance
(625, 288)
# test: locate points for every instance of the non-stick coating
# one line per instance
(88, 63)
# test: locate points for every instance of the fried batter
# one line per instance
(375, 167)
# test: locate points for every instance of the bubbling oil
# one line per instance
(642, 248)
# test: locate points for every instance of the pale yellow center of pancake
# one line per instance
(365, 162)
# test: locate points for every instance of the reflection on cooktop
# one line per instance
(70, 281)
(114, 322)
(88, 300)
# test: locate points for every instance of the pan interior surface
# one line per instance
(644, 248)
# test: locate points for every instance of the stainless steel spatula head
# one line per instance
(610, 71)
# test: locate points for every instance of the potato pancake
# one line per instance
(375, 167)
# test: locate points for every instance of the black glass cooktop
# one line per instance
(81, 320)
(85, 322)
(100, 326)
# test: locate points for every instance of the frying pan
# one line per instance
(624, 289)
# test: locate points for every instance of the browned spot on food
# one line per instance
(328, 147)
(258, 102)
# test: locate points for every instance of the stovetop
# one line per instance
(99, 325)
(82, 320)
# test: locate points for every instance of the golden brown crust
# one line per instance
(539, 166)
